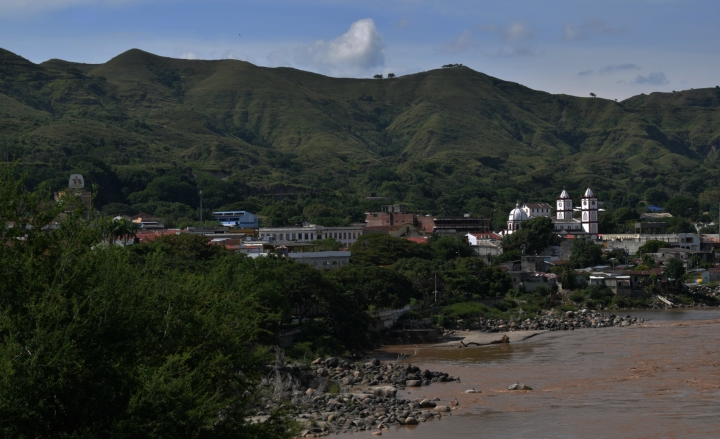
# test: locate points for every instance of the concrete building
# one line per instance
(392, 215)
(322, 260)
(631, 242)
(344, 235)
(237, 218)
(534, 210)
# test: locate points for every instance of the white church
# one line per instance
(563, 222)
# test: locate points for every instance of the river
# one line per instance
(657, 380)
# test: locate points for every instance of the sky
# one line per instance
(613, 48)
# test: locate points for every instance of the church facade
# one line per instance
(564, 222)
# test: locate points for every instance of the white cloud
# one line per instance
(593, 26)
(609, 70)
(512, 52)
(515, 31)
(653, 78)
(402, 23)
(359, 49)
(462, 43)
(518, 31)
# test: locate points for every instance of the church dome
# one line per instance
(517, 214)
(589, 193)
(564, 194)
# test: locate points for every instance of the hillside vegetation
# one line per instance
(151, 132)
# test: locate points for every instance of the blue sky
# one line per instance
(614, 48)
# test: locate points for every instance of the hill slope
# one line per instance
(445, 140)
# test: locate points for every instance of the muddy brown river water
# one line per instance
(657, 380)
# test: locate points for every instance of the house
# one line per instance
(683, 254)
(699, 276)
(454, 225)
(238, 219)
(620, 284)
(654, 215)
(392, 215)
(534, 210)
(473, 238)
(146, 221)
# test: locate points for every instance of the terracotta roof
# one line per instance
(418, 240)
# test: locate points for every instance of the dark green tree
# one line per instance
(381, 249)
(585, 253)
(450, 247)
(652, 246)
(372, 286)
(674, 269)
(685, 207)
(533, 236)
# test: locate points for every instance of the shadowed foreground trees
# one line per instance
(96, 346)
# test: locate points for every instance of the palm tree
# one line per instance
(124, 229)
(567, 277)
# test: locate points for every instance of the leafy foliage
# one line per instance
(533, 236)
(585, 253)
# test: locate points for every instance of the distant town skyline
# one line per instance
(613, 48)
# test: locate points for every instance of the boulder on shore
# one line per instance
(519, 386)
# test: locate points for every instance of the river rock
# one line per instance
(413, 383)
(384, 391)
(411, 421)
(473, 391)
(427, 404)
(332, 362)
(442, 408)
(519, 386)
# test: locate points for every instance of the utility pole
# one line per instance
(201, 218)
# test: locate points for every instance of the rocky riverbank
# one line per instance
(552, 321)
(333, 395)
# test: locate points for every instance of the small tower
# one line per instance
(590, 213)
(564, 206)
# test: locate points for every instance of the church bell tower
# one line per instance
(590, 213)
(563, 205)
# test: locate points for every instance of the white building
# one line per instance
(344, 235)
(534, 210)
(563, 222)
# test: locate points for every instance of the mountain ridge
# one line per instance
(439, 132)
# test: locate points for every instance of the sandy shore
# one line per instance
(483, 338)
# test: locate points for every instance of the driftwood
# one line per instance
(503, 339)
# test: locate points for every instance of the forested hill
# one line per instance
(148, 129)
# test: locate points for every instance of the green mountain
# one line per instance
(444, 141)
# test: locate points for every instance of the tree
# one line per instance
(533, 236)
(372, 286)
(674, 269)
(585, 253)
(378, 76)
(122, 229)
(655, 196)
(380, 249)
(391, 75)
(450, 247)
(97, 346)
(566, 276)
(682, 206)
(593, 95)
(652, 246)
(423, 274)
